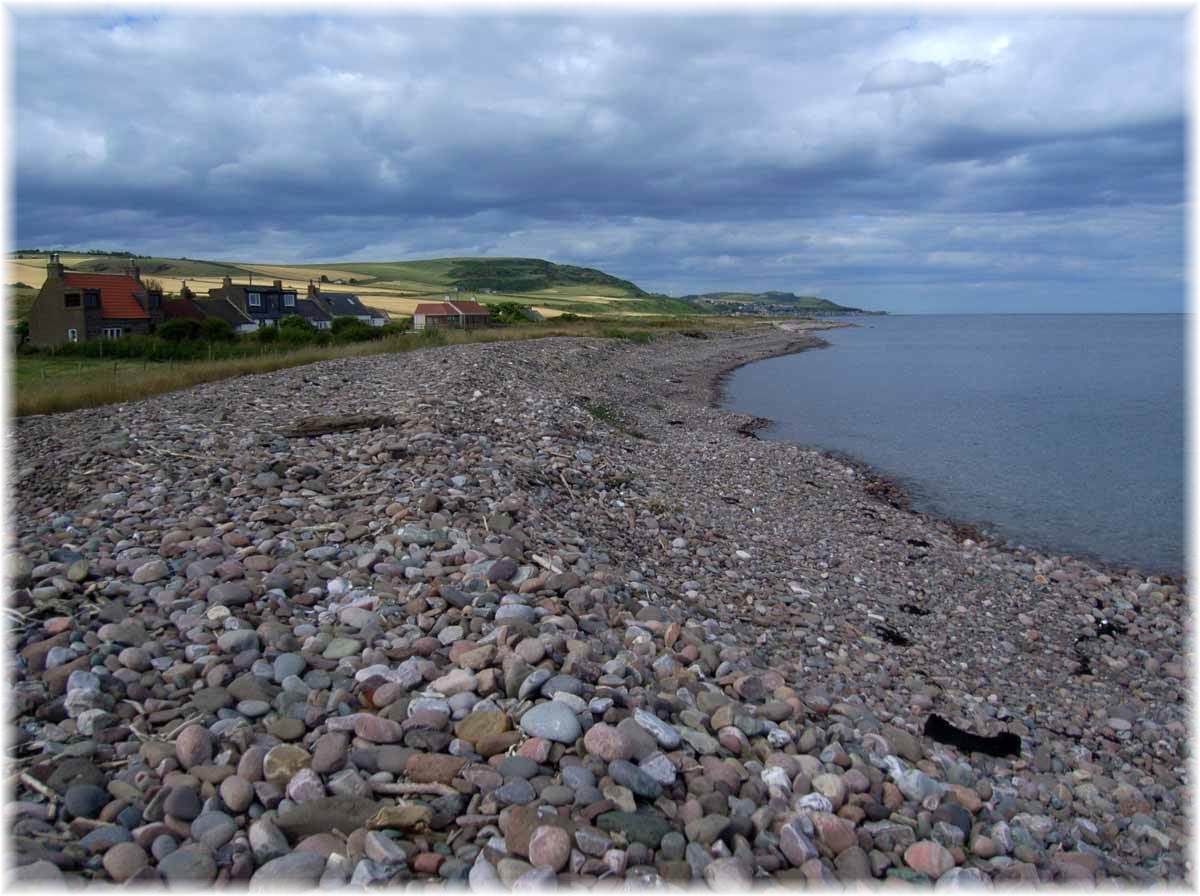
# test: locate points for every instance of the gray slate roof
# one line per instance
(223, 309)
(347, 304)
(311, 311)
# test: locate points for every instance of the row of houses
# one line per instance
(73, 306)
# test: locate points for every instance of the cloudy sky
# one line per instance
(910, 163)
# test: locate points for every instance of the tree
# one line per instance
(213, 329)
(21, 331)
(180, 329)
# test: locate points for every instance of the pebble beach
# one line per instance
(534, 614)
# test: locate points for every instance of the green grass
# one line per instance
(161, 267)
(46, 385)
(30, 370)
(19, 301)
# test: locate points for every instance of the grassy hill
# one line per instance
(792, 302)
(160, 267)
(398, 286)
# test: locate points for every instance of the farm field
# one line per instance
(395, 287)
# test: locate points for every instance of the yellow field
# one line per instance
(292, 275)
(397, 297)
(33, 270)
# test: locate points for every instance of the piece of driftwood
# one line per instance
(323, 425)
(1006, 744)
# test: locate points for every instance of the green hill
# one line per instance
(160, 267)
(768, 302)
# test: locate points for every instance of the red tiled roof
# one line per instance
(181, 308)
(116, 293)
(436, 309)
(469, 307)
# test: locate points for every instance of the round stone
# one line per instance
(552, 720)
(237, 794)
(85, 800)
(183, 803)
(929, 858)
(607, 742)
(125, 860)
(550, 847)
(189, 866)
(193, 746)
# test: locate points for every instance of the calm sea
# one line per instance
(1058, 432)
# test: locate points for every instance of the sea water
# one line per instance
(1060, 432)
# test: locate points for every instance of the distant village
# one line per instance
(73, 306)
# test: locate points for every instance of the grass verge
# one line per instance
(48, 386)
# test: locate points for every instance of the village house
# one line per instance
(183, 306)
(225, 310)
(262, 304)
(459, 314)
(345, 304)
(74, 306)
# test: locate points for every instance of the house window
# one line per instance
(155, 301)
(289, 300)
(72, 335)
(71, 300)
(255, 299)
(113, 332)
(91, 298)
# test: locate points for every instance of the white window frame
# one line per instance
(254, 299)
(113, 332)
(72, 334)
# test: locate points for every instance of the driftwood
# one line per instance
(323, 425)
(1006, 744)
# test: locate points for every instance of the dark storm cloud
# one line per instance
(822, 154)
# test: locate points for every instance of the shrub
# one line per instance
(294, 322)
(351, 329)
(21, 332)
(568, 317)
(266, 335)
(508, 312)
(295, 330)
(395, 328)
(179, 330)
(213, 329)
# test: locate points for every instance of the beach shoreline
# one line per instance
(764, 601)
(897, 493)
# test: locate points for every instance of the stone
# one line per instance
(550, 846)
(424, 768)
(266, 840)
(237, 794)
(553, 721)
(482, 724)
(928, 858)
(667, 736)
(378, 730)
(795, 845)
(728, 875)
(607, 742)
(282, 762)
(124, 860)
(183, 803)
(189, 867)
(322, 815)
(85, 800)
(193, 746)
(297, 870)
(629, 775)
(639, 827)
